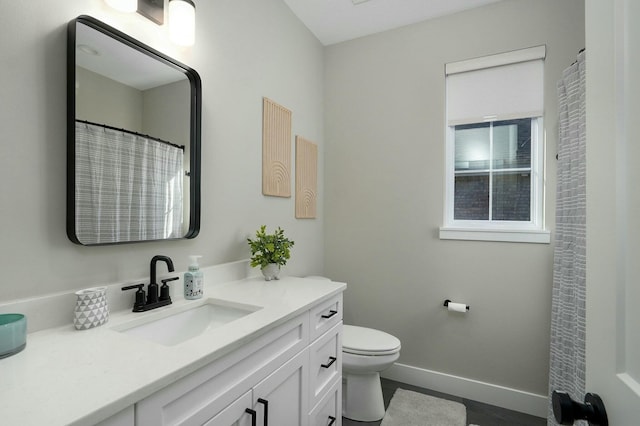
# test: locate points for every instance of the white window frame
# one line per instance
(531, 231)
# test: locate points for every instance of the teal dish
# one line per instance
(13, 334)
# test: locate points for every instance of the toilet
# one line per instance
(365, 353)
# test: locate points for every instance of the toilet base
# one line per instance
(362, 397)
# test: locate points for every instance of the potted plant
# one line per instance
(270, 251)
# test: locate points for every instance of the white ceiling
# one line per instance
(334, 21)
(109, 57)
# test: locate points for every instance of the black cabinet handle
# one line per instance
(333, 420)
(253, 415)
(331, 313)
(266, 411)
(332, 359)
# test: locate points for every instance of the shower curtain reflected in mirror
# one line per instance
(568, 322)
(128, 187)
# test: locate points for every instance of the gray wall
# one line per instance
(244, 50)
(384, 150)
(385, 141)
(105, 101)
(168, 121)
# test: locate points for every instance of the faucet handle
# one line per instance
(139, 303)
(164, 289)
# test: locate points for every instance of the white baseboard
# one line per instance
(488, 393)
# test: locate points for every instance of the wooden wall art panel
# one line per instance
(276, 149)
(306, 178)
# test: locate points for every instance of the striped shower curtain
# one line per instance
(128, 187)
(567, 361)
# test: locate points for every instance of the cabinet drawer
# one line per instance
(196, 398)
(329, 410)
(325, 362)
(325, 315)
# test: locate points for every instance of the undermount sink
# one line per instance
(177, 325)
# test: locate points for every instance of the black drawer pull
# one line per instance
(332, 359)
(333, 420)
(253, 415)
(266, 411)
(331, 313)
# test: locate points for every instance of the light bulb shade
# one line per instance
(182, 22)
(123, 5)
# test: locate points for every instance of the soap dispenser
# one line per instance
(193, 280)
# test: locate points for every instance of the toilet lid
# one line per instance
(367, 341)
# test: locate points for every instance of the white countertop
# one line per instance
(71, 377)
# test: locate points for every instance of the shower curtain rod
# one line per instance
(131, 133)
(581, 50)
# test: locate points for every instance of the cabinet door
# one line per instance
(282, 399)
(236, 414)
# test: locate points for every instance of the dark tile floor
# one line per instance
(477, 412)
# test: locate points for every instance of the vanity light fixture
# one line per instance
(182, 16)
(182, 22)
(124, 5)
(152, 10)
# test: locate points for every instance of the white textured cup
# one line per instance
(91, 308)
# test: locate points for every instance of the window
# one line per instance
(495, 148)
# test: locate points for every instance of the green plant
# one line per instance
(269, 248)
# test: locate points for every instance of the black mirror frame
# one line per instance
(194, 125)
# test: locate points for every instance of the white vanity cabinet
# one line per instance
(124, 418)
(286, 374)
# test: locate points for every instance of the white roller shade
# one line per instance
(498, 87)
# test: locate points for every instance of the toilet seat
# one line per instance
(367, 341)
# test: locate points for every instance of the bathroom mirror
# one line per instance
(133, 140)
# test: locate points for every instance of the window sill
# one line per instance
(505, 235)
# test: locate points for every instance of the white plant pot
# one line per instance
(271, 271)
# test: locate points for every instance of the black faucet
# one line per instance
(153, 301)
(152, 296)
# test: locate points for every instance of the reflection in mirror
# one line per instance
(133, 140)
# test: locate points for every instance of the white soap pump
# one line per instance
(193, 280)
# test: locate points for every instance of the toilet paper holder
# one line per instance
(446, 303)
